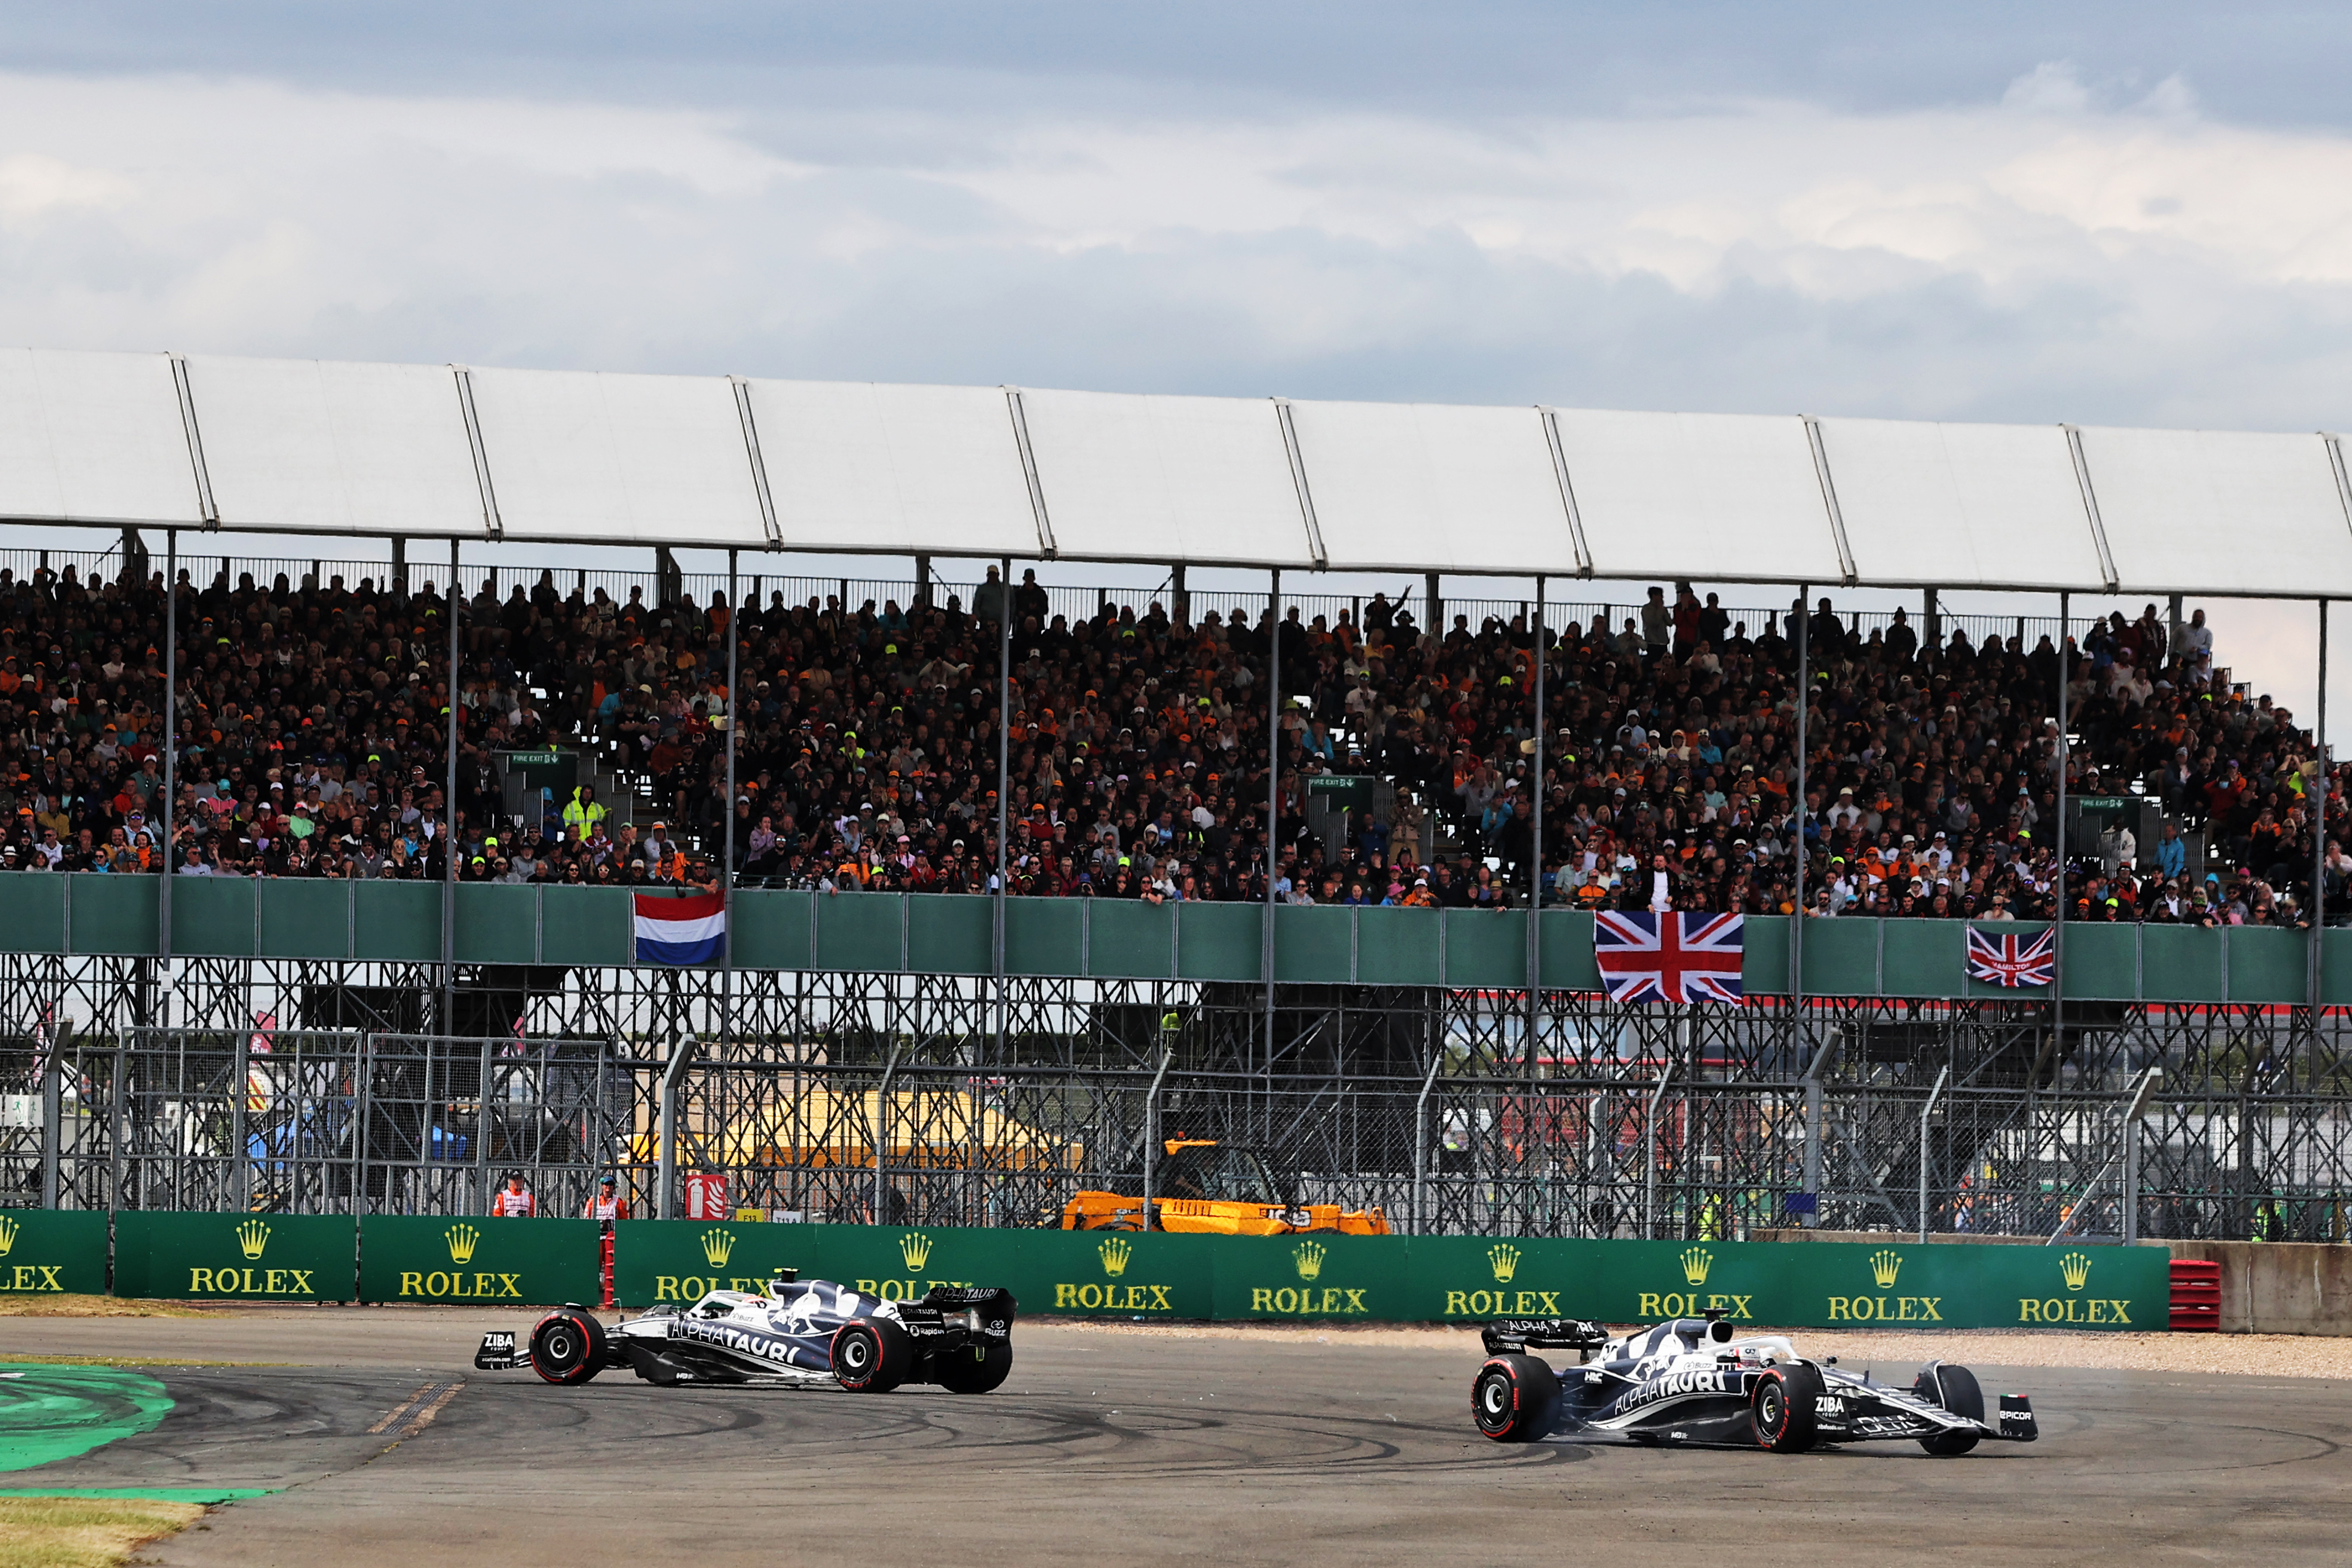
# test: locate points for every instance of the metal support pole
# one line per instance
(1272, 799)
(52, 1113)
(922, 579)
(727, 863)
(484, 1183)
(1813, 1130)
(1437, 607)
(881, 1127)
(1180, 597)
(1003, 788)
(1943, 1077)
(171, 758)
(2058, 923)
(666, 1173)
(449, 828)
(1421, 1141)
(1797, 816)
(2318, 916)
(1650, 1163)
(1535, 815)
(1152, 1149)
(2127, 1157)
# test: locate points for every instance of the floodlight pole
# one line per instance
(2318, 916)
(727, 862)
(1797, 817)
(1273, 798)
(1003, 786)
(1535, 876)
(2058, 911)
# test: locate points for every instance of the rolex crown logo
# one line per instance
(2076, 1269)
(463, 1240)
(253, 1236)
(1115, 1254)
(1884, 1266)
(7, 1235)
(1505, 1258)
(915, 1248)
(717, 1245)
(1309, 1255)
(1695, 1262)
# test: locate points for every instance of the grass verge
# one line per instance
(84, 1532)
(13, 1306)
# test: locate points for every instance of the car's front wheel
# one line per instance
(567, 1348)
(977, 1368)
(872, 1355)
(1954, 1389)
(1515, 1398)
(1780, 1409)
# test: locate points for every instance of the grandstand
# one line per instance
(966, 731)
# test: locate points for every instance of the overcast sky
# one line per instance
(2105, 213)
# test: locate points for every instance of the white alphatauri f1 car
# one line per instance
(1697, 1380)
(811, 1331)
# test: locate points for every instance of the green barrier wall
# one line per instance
(518, 1262)
(258, 1257)
(1102, 938)
(1420, 1280)
(44, 1252)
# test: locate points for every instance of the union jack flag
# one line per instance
(1669, 957)
(2013, 960)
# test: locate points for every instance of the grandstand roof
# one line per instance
(585, 457)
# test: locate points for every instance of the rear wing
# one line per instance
(993, 1308)
(1511, 1335)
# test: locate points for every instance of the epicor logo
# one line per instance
(915, 1248)
(1505, 1260)
(718, 1246)
(2076, 1269)
(252, 1237)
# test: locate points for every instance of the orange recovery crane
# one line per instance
(1207, 1187)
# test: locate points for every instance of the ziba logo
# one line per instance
(33, 1276)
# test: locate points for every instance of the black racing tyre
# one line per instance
(567, 1348)
(1780, 1409)
(1954, 1388)
(1515, 1398)
(871, 1356)
(976, 1369)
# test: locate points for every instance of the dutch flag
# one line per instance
(691, 929)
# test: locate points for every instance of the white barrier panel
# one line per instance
(317, 446)
(91, 438)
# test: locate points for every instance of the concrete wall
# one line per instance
(2280, 1287)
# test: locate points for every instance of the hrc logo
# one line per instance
(1506, 1260)
(1115, 1252)
(717, 1245)
(1885, 1266)
(2076, 1269)
(915, 1248)
(1695, 1262)
(463, 1240)
(1310, 1256)
(253, 1236)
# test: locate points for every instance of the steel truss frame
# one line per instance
(992, 1101)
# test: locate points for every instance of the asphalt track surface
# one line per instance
(1106, 1448)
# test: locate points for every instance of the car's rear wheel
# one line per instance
(1780, 1409)
(1954, 1388)
(978, 1369)
(1515, 1398)
(567, 1348)
(872, 1355)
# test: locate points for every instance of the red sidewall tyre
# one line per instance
(1515, 1398)
(1780, 1411)
(871, 1356)
(567, 1348)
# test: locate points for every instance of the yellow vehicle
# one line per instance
(1205, 1187)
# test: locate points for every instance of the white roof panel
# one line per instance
(582, 457)
(323, 447)
(1201, 479)
(905, 469)
(1420, 486)
(93, 437)
(1931, 505)
(2209, 511)
(1720, 495)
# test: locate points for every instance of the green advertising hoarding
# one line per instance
(511, 1262)
(237, 1257)
(50, 1252)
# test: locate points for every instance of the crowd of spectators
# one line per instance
(312, 742)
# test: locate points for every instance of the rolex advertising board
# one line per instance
(509, 1262)
(1368, 1278)
(234, 1256)
(51, 1252)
